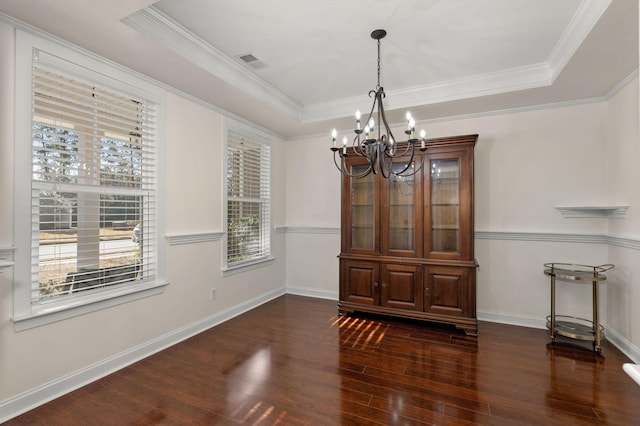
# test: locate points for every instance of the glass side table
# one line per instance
(572, 327)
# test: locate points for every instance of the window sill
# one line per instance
(236, 269)
(47, 313)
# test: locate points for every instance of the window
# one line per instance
(92, 192)
(248, 198)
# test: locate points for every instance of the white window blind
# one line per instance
(248, 199)
(93, 191)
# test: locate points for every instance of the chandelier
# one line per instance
(377, 144)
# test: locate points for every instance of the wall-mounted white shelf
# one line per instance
(593, 212)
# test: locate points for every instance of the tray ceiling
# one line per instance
(315, 61)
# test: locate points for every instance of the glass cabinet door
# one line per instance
(362, 210)
(401, 217)
(445, 205)
(401, 208)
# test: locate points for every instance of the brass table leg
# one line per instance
(552, 328)
(596, 320)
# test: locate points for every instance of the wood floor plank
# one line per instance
(295, 361)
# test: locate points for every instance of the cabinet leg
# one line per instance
(469, 330)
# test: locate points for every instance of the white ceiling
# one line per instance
(318, 62)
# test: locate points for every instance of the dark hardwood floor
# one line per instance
(294, 361)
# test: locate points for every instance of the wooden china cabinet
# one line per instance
(407, 242)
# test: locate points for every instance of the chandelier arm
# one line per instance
(417, 170)
(358, 146)
(341, 167)
(409, 163)
(402, 172)
(382, 117)
(409, 147)
(373, 159)
(409, 144)
(345, 172)
(373, 106)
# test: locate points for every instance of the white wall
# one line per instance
(42, 360)
(526, 163)
(313, 218)
(622, 152)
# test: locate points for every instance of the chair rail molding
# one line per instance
(203, 237)
(306, 230)
(5, 255)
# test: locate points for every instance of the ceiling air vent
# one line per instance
(251, 60)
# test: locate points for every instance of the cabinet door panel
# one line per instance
(448, 194)
(359, 282)
(401, 213)
(401, 287)
(446, 291)
(360, 215)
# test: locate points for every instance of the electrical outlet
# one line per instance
(214, 293)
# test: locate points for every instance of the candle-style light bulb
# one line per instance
(412, 127)
(334, 133)
(344, 145)
(422, 141)
(409, 118)
(358, 115)
(372, 127)
(366, 131)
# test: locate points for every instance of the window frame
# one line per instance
(26, 314)
(259, 137)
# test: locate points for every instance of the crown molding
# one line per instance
(160, 27)
(155, 24)
(585, 18)
(503, 81)
(522, 78)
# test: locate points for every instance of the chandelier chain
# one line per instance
(378, 86)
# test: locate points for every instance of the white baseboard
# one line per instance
(512, 319)
(32, 398)
(625, 346)
(310, 292)
(617, 340)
